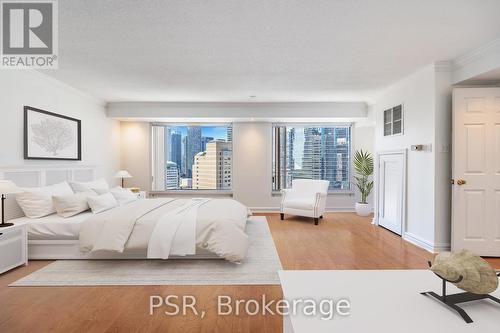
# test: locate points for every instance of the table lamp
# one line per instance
(6, 187)
(123, 174)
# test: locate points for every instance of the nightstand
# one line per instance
(13, 247)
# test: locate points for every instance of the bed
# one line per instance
(158, 228)
(55, 237)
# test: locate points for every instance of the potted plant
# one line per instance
(363, 167)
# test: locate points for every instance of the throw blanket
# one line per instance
(110, 230)
(175, 232)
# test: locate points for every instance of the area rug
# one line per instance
(260, 267)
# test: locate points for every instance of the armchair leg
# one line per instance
(316, 221)
(282, 216)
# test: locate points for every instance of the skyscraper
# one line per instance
(311, 159)
(176, 148)
(204, 141)
(171, 176)
(183, 156)
(212, 168)
(229, 134)
(193, 147)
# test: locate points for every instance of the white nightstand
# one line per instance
(13, 247)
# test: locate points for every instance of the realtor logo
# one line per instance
(29, 34)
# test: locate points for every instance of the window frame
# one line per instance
(188, 191)
(350, 190)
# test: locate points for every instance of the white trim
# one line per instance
(476, 54)
(194, 193)
(443, 66)
(404, 152)
(426, 245)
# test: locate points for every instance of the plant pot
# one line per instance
(363, 209)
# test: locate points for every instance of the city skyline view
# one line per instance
(312, 153)
(192, 157)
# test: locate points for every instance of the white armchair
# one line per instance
(305, 198)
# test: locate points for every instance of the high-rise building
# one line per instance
(172, 176)
(328, 153)
(193, 147)
(341, 150)
(166, 145)
(212, 168)
(158, 181)
(229, 130)
(176, 148)
(311, 159)
(204, 141)
(183, 156)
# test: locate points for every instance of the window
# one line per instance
(308, 152)
(191, 157)
(393, 121)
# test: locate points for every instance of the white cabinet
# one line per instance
(13, 247)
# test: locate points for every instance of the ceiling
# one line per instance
(276, 50)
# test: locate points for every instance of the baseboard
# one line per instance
(432, 248)
(277, 209)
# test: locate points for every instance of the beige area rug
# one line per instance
(261, 266)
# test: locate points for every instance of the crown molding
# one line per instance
(475, 54)
(443, 66)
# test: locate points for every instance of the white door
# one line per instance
(391, 178)
(476, 170)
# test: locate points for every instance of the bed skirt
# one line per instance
(70, 249)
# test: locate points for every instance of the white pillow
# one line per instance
(101, 203)
(122, 195)
(99, 184)
(69, 205)
(37, 202)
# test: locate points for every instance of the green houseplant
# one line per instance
(363, 168)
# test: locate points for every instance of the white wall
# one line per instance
(252, 162)
(135, 153)
(425, 96)
(100, 135)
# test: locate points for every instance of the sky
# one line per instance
(216, 132)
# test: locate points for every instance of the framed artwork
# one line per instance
(51, 136)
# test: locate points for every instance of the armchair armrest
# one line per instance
(320, 203)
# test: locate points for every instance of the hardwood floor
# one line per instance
(340, 241)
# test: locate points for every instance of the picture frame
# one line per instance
(51, 136)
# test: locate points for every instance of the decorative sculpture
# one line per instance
(468, 272)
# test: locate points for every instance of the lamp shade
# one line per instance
(123, 174)
(7, 187)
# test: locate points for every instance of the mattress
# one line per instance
(54, 226)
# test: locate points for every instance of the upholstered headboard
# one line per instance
(41, 176)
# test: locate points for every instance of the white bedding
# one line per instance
(54, 226)
(220, 227)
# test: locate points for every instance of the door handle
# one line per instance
(461, 182)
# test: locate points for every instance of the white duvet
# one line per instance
(168, 227)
